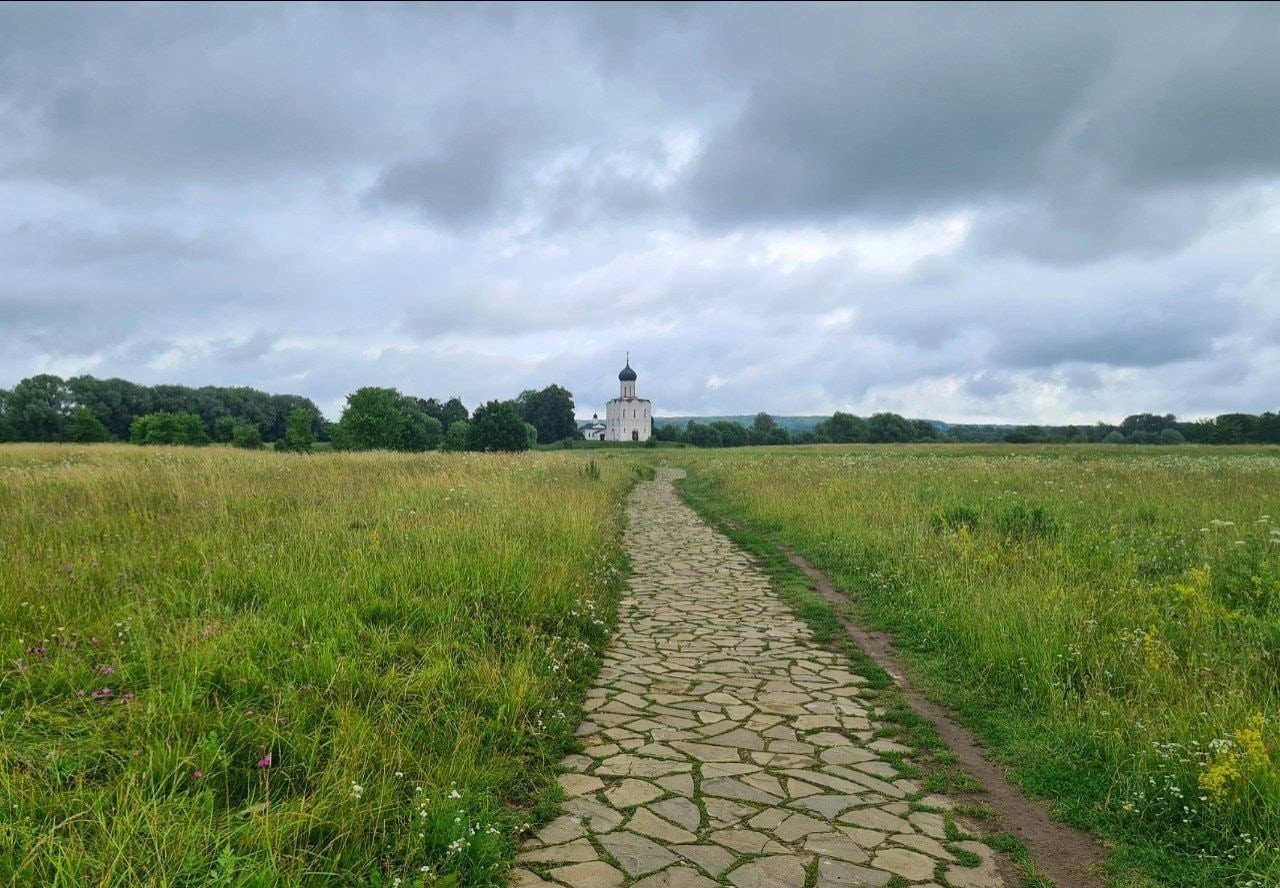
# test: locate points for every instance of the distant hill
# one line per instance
(793, 424)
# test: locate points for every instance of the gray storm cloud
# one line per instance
(1041, 212)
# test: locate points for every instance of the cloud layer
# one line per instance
(1040, 213)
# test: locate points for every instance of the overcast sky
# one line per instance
(1001, 213)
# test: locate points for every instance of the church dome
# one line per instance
(627, 374)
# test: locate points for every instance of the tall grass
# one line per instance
(253, 669)
(1108, 619)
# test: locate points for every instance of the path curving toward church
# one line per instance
(723, 747)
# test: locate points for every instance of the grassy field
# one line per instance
(223, 667)
(1107, 619)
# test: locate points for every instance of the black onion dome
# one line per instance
(627, 374)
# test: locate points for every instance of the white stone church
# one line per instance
(626, 417)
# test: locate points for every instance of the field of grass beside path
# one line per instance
(1107, 620)
(227, 667)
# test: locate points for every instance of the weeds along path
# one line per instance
(724, 746)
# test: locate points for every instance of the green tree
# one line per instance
(37, 408)
(164, 427)
(843, 428)
(889, 428)
(5, 433)
(246, 436)
(550, 411)
(224, 428)
(449, 412)
(384, 419)
(923, 430)
(497, 426)
(455, 439)
(85, 428)
(531, 433)
(298, 434)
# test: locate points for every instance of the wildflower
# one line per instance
(265, 761)
(356, 789)
(197, 775)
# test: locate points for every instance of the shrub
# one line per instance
(1025, 522)
(497, 426)
(85, 428)
(246, 436)
(954, 518)
(298, 437)
(384, 419)
(455, 439)
(1172, 436)
(224, 428)
(168, 428)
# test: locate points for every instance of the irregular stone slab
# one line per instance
(649, 824)
(729, 788)
(712, 858)
(596, 874)
(579, 784)
(746, 841)
(631, 792)
(676, 877)
(840, 874)
(572, 852)
(635, 854)
(769, 872)
(681, 811)
(837, 845)
(908, 864)
(595, 817)
(563, 829)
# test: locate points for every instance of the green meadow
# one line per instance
(251, 668)
(1106, 619)
(236, 668)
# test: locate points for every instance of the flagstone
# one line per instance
(712, 858)
(649, 824)
(631, 792)
(680, 811)
(769, 872)
(676, 877)
(596, 874)
(636, 855)
(842, 874)
(908, 864)
(572, 852)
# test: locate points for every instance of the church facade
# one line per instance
(626, 417)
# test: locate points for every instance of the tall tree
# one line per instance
(550, 411)
(37, 409)
(384, 419)
(497, 426)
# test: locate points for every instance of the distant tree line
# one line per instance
(890, 428)
(1140, 428)
(841, 428)
(86, 410)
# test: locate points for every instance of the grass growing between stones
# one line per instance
(223, 667)
(1107, 619)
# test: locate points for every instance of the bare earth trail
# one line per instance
(725, 748)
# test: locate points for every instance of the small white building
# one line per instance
(628, 418)
(595, 429)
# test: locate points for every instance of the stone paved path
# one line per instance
(724, 747)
